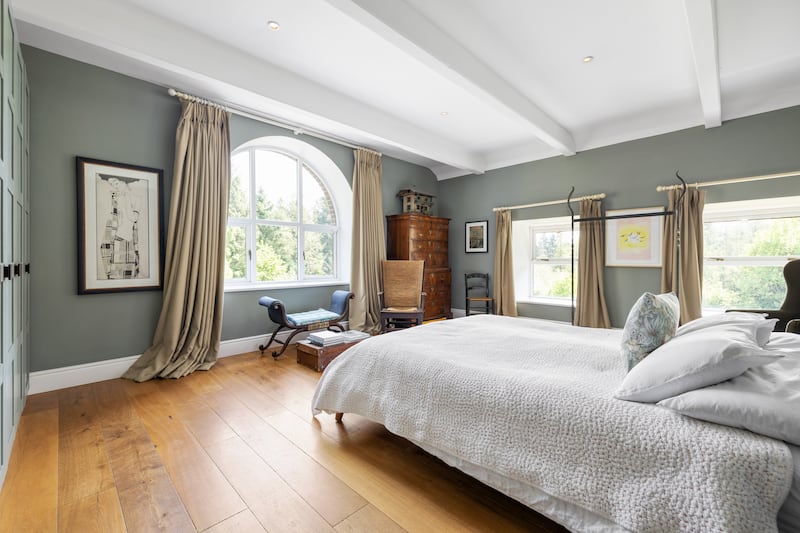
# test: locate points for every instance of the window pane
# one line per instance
(276, 186)
(553, 244)
(318, 253)
(239, 206)
(276, 253)
(552, 281)
(778, 237)
(317, 203)
(235, 253)
(743, 287)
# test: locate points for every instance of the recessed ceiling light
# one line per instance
(444, 113)
(273, 25)
(588, 59)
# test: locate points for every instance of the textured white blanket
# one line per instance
(532, 401)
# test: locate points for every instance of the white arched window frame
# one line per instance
(340, 193)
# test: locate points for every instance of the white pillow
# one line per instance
(693, 360)
(651, 322)
(757, 324)
(765, 400)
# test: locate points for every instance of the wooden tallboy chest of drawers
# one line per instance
(424, 237)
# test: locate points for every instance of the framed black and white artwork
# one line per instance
(119, 227)
(476, 236)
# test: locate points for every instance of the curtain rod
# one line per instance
(729, 181)
(297, 130)
(553, 202)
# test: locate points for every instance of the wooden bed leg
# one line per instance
(339, 417)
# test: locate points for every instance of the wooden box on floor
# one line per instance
(318, 357)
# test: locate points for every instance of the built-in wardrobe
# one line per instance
(15, 216)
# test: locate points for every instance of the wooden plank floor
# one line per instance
(232, 449)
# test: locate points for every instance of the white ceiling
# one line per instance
(509, 73)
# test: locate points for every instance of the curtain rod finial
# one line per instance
(171, 91)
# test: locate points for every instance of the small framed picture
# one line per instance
(477, 239)
(634, 241)
(119, 227)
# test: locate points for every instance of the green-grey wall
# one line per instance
(82, 110)
(628, 173)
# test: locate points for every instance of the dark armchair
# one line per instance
(402, 298)
(791, 304)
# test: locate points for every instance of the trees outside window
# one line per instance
(746, 245)
(282, 220)
(542, 251)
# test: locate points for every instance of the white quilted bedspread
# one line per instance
(532, 400)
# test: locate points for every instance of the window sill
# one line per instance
(247, 287)
(554, 302)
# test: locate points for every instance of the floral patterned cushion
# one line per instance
(651, 322)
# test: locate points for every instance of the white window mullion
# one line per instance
(301, 256)
(251, 226)
(251, 252)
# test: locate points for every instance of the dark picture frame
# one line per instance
(120, 246)
(476, 236)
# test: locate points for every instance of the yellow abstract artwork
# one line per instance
(634, 237)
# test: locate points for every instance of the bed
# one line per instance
(526, 406)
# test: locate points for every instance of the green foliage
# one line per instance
(276, 253)
(285, 209)
(235, 253)
(318, 253)
(237, 204)
(748, 286)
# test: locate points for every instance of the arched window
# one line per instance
(289, 217)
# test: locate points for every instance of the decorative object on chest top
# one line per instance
(416, 202)
(319, 319)
(424, 238)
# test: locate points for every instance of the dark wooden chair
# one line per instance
(478, 301)
(402, 298)
(330, 318)
(790, 309)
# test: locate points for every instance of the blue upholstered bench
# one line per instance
(330, 318)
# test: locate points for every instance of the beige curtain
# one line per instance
(504, 300)
(188, 332)
(369, 243)
(691, 252)
(590, 308)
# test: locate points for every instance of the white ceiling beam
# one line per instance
(107, 34)
(404, 27)
(702, 19)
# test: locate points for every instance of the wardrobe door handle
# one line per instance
(6, 272)
(28, 268)
(18, 269)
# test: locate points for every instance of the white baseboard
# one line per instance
(72, 376)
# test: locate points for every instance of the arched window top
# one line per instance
(289, 217)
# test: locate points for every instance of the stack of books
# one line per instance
(325, 338)
(331, 338)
